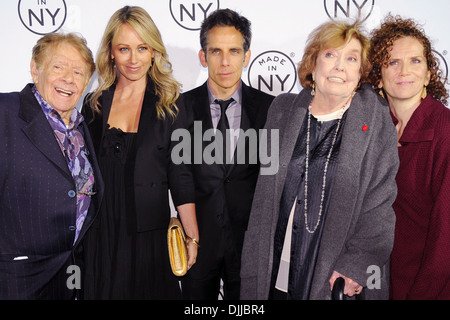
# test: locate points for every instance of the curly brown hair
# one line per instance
(394, 28)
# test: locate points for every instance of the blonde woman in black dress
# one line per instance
(131, 116)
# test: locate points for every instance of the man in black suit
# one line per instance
(224, 189)
(50, 183)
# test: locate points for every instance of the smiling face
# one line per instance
(407, 72)
(225, 59)
(338, 71)
(132, 56)
(61, 79)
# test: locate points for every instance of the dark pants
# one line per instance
(222, 264)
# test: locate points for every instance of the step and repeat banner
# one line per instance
(280, 29)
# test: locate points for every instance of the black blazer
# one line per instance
(154, 172)
(224, 196)
(37, 206)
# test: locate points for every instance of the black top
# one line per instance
(126, 249)
(304, 246)
(124, 263)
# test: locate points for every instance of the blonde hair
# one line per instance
(45, 46)
(165, 86)
(332, 34)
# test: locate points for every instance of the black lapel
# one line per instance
(106, 101)
(148, 114)
(249, 110)
(203, 109)
(99, 185)
(39, 131)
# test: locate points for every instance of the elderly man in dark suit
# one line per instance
(49, 180)
(224, 189)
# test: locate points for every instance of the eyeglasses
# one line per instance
(87, 193)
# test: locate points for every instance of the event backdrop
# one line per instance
(280, 29)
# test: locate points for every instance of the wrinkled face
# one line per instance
(407, 72)
(225, 59)
(62, 78)
(132, 56)
(338, 71)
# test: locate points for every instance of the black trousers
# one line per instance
(221, 265)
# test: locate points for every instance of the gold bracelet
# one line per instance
(194, 241)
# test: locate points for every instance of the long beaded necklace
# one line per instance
(324, 179)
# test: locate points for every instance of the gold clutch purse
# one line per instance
(176, 241)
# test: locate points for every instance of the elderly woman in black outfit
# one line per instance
(327, 213)
(132, 118)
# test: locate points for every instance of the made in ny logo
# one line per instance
(349, 9)
(272, 72)
(190, 14)
(42, 16)
(443, 66)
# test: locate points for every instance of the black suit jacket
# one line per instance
(154, 172)
(37, 207)
(224, 195)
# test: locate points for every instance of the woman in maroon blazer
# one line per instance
(407, 73)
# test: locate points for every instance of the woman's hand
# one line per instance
(192, 248)
(351, 287)
(189, 222)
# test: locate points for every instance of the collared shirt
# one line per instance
(71, 142)
(233, 112)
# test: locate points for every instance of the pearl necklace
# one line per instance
(324, 179)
